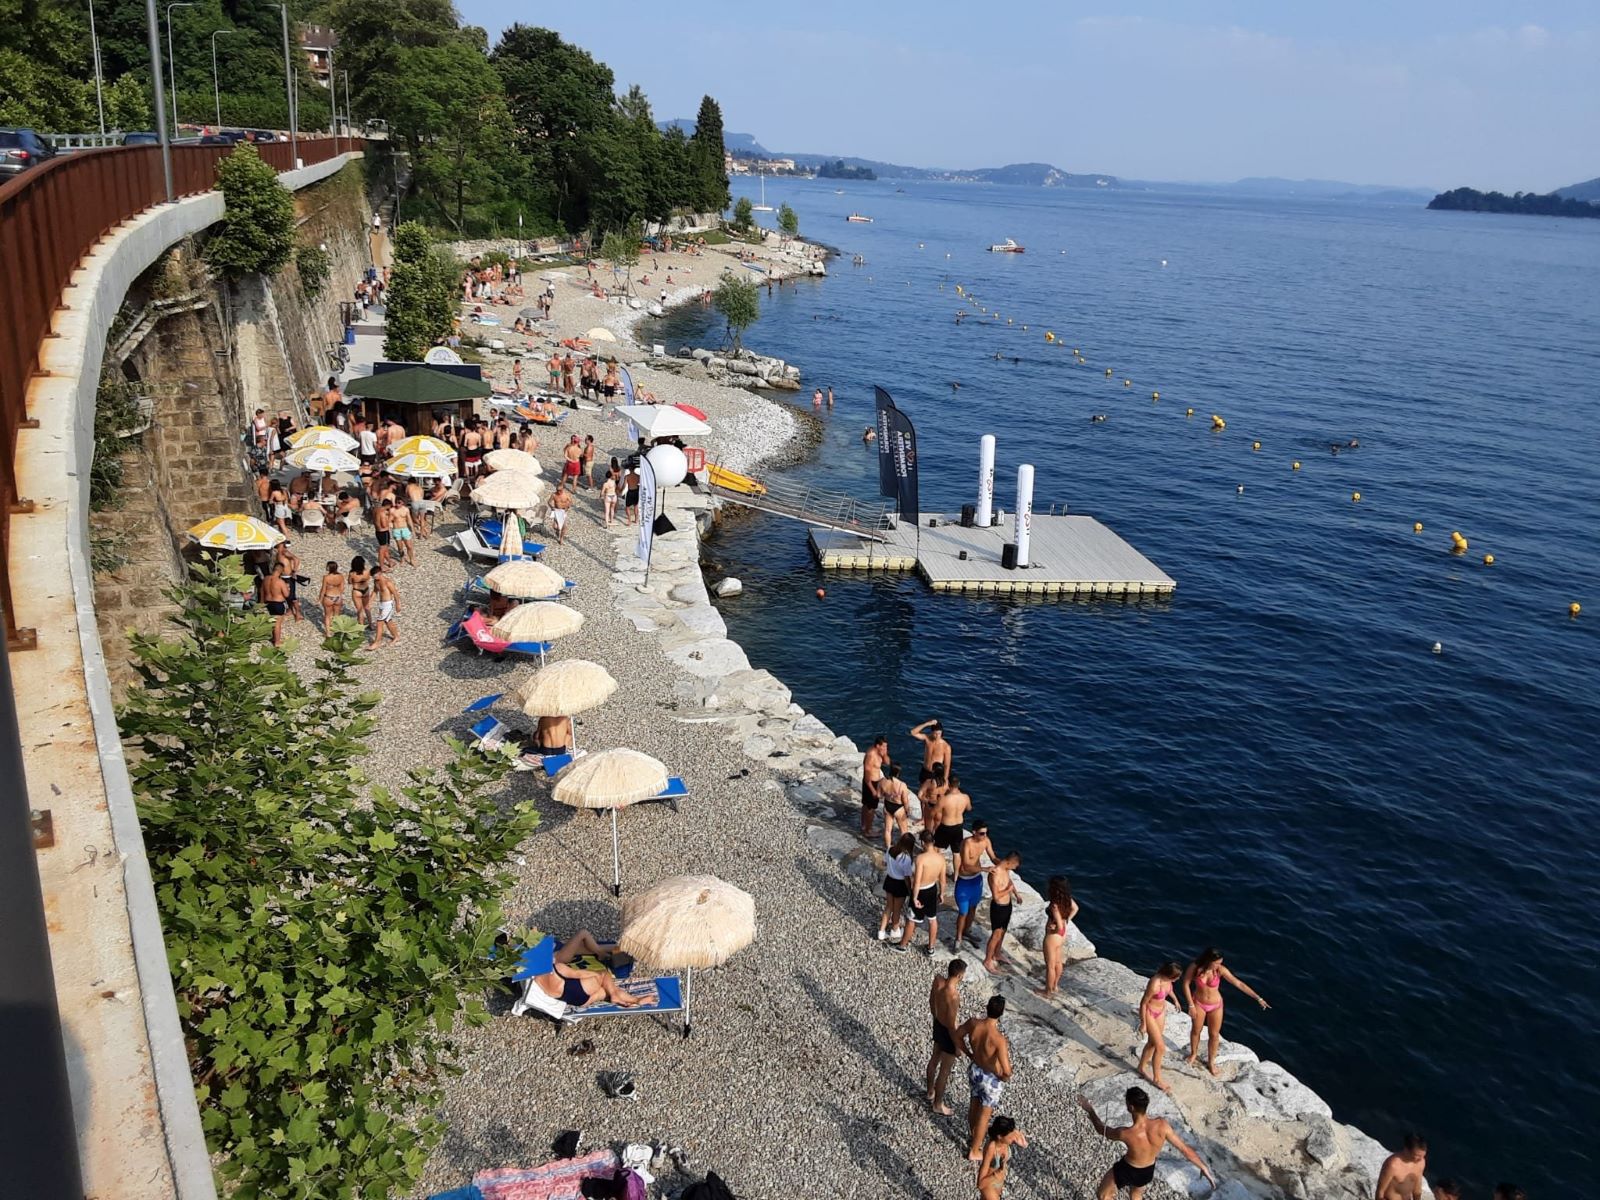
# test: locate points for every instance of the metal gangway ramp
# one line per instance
(815, 506)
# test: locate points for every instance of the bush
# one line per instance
(788, 221)
(744, 214)
(257, 232)
(324, 938)
(421, 297)
(315, 265)
(116, 408)
(739, 303)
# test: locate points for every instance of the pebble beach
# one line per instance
(804, 1074)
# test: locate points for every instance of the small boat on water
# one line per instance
(838, 191)
(859, 219)
(1006, 247)
(763, 206)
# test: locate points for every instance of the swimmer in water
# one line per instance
(869, 434)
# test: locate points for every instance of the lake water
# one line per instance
(1395, 847)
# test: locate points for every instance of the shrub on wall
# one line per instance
(315, 265)
(257, 233)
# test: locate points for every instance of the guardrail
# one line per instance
(50, 218)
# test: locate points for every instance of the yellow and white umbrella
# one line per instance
(323, 435)
(235, 531)
(422, 465)
(564, 688)
(325, 459)
(421, 443)
(512, 460)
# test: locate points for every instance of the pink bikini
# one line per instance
(1213, 982)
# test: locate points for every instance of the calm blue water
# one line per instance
(1396, 848)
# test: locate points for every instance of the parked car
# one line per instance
(261, 135)
(21, 149)
(140, 138)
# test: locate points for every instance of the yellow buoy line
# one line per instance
(1458, 542)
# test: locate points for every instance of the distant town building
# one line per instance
(318, 42)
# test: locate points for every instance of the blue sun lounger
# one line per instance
(675, 790)
(539, 959)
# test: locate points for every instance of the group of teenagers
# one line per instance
(916, 879)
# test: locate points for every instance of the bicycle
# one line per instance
(338, 356)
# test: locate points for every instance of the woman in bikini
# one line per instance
(1061, 910)
(1158, 993)
(576, 986)
(332, 596)
(1202, 990)
(359, 580)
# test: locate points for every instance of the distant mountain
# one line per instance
(1588, 190)
(1014, 174)
(1305, 189)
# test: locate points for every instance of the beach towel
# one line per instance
(558, 1180)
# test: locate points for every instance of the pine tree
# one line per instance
(712, 180)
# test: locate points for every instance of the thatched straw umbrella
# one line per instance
(564, 688)
(525, 580)
(686, 922)
(509, 489)
(512, 460)
(611, 779)
(540, 621)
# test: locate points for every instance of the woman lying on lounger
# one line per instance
(575, 986)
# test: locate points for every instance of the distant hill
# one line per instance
(1528, 203)
(739, 143)
(1014, 174)
(1588, 190)
(1305, 189)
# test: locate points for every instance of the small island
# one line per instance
(838, 170)
(1554, 205)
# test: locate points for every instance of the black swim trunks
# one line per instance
(926, 905)
(277, 607)
(950, 837)
(383, 537)
(1127, 1176)
(869, 798)
(999, 915)
(943, 1040)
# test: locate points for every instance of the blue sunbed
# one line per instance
(491, 531)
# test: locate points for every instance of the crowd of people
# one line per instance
(931, 852)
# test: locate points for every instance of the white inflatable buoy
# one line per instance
(1438, 647)
(1163, 262)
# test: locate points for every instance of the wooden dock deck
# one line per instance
(1070, 555)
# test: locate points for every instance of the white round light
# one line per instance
(671, 465)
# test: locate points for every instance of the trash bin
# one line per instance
(969, 515)
(349, 335)
(1008, 556)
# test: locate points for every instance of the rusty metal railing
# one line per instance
(51, 217)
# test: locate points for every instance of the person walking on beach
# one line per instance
(1158, 993)
(630, 497)
(386, 605)
(945, 1001)
(969, 858)
(608, 498)
(400, 527)
(1060, 911)
(572, 453)
(927, 888)
(935, 750)
(383, 524)
(275, 595)
(331, 597)
(897, 800)
(872, 764)
(988, 1071)
(1400, 1177)
(1004, 1136)
(586, 477)
(1002, 896)
(899, 863)
(559, 504)
(359, 579)
(1202, 994)
(1144, 1139)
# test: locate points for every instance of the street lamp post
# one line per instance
(333, 98)
(172, 71)
(288, 84)
(347, 118)
(99, 98)
(216, 85)
(153, 36)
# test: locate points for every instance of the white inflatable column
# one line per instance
(985, 481)
(1024, 512)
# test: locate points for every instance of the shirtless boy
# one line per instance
(1143, 1139)
(1401, 1176)
(927, 888)
(1002, 895)
(872, 764)
(969, 858)
(934, 748)
(981, 1041)
(945, 1001)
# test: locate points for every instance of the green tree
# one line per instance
(45, 71)
(711, 180)
(257, 232)
(128, 103)
(744, 214)
(325, 939)
(620, 250)
(739, 303)
(788, 220)
(421, 299)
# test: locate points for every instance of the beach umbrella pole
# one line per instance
(688, 998)
(616, 856)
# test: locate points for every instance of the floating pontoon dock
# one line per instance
(1069, 555)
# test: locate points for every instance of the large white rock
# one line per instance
(728, 587)
(1108, 1097)
(1286, 1094)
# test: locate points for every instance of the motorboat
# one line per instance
(1006, 247)
(859, 219)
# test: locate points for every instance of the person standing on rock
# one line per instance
(951, 832)
(1158, 993)
(1058, 915)
(929, 793)
(872, 764)
(935, 750)
(1002, 897)
(899, 863)
(897, 800)
(1004, 1136)
(945, 1001)
(1144, 1140)
(969, 858)
(927, 887)
(1400, 1178)
(1202, 993)
(981, 1040)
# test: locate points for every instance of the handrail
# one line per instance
(51, 217)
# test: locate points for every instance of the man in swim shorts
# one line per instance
(386, 603)
(400, 529)
(945, 1001)
(1144, 1139)
(383, 523)
(559, 504)
(275, 595)
(981, 1041)
(934, 748)
(927, 887)
(954, 806)
(1002, 896)
(969, 876)
(872, 764)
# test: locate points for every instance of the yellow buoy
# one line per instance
(1356, 496)
(1295, 466)
(1155, 395)
(1188, 412)
(1417, 528)
(1574, 609)
(1217, 422)
(1255, 445)
(1049, 336)
(1488, 560)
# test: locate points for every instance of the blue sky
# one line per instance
(1423, 93)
